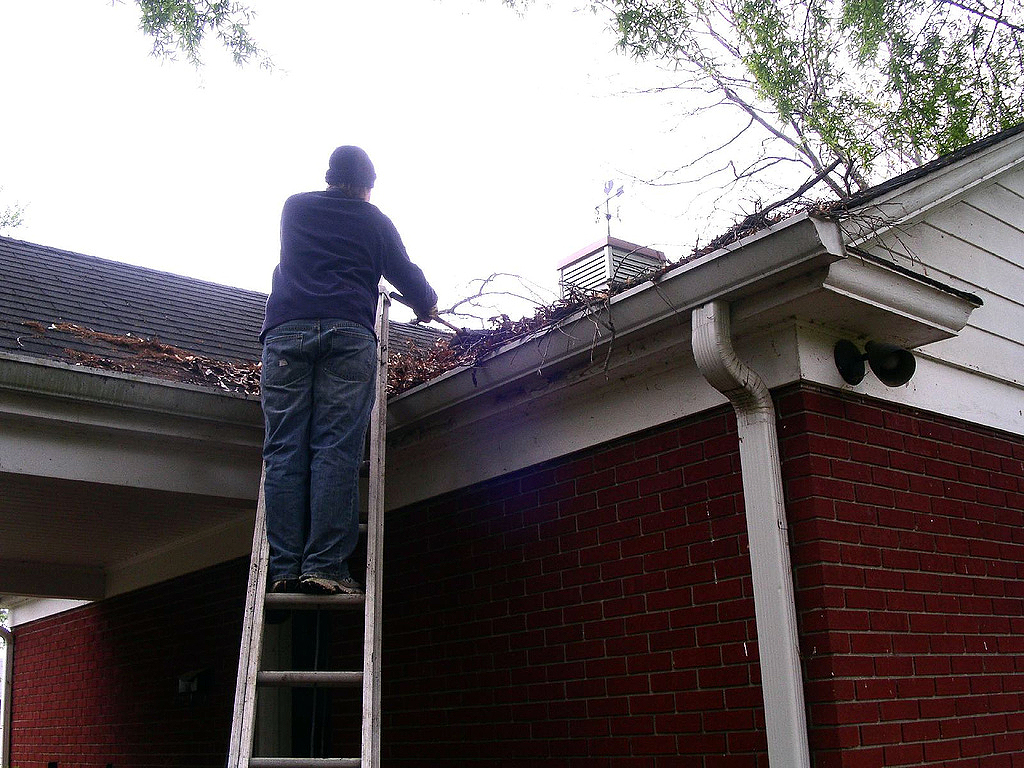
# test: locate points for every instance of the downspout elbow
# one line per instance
(721, 366)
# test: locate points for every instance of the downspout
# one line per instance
(7, 696)
(774, 606)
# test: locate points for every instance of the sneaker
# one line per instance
(284, 585)
(323, 585)
(278, 587)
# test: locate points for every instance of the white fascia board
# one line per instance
(28, 609)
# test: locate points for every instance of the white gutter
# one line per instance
(767, 259)
(6, 697)
(774, 606)
(64, 381)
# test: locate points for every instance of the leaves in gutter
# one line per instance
(409, 366)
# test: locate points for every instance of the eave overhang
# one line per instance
(113, 481)
(181, 420)
(797, 271)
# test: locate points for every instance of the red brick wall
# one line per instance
(596, 612)
(909, 560)
(99, 685)
(593, 611)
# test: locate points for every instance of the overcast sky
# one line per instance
(492, 135)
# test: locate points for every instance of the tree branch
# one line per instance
(696, 160)
(996, 20)
(485, 290)
(803, 188)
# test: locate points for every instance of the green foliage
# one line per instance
(181, 26)
(870, 84)
(11, 216)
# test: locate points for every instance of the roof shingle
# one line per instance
(63, 305)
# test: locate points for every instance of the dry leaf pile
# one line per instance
(151, 357)
(412, 366)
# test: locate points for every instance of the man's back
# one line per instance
(334, 251)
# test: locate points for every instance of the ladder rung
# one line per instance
(304, 762)
(310, 679)
(299, 601)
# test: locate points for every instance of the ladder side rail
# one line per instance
(371, 725)
(244, 716)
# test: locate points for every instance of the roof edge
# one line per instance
(34, 375)
(731, 272)
(951, 158)
(943, 181)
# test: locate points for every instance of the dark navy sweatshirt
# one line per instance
(334, 251)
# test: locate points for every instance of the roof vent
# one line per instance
(606, 263)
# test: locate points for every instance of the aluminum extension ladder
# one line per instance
(258, 602)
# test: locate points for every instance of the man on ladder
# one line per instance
(321, 374)
(319, 364)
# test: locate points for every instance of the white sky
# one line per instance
(492, 135)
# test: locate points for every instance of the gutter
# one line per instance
(43, 393)
(771, 257)
(771, 572)
(35, 375)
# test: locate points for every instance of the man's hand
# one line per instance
(433, 316)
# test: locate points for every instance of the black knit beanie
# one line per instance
(351, 165)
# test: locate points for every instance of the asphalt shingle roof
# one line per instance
(940, 162)
(56, 303)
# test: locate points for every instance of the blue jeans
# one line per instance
(317, 392)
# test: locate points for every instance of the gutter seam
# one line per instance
(771, 571)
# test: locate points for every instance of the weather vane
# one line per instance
(608, 187)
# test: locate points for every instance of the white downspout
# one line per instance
(7, 697)
(774, 607)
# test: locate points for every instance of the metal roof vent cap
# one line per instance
(607, 263)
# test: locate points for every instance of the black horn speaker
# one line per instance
(891, 364)
(849, 361)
